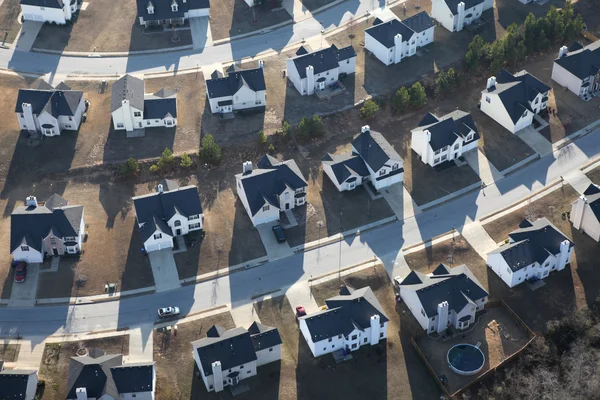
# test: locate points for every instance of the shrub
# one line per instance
(262, 138)
(369, 110)
(310, 128)
(130, 167)
(400, 100)
(271, 148)
(418, 97)
(210, 151)
(186, 161)
(154, 168)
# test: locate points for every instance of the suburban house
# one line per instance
(273, 187)
(319, 69)
(447, 297)
(394, 40)
(454, 15)
(578, 69)
(50, 110)
(512, 100)
(170, 12)
(351, 320)
(134, 110)
(239, 90)
(532, 252)
(225, 357)
(104, 376)
(18, 384)
(53, 228)
(53, 11)
(169, 212)
(438, 140)
(585, 212)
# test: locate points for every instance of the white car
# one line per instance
(168, 312)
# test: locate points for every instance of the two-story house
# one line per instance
(319, 69)
(351, 320)
(18, 384)
(439, 140)
(273, 187)
(446, 297)
(454, 15)
(226, 357)
(135, 380)
(52, 228)
(170, 12)
(534, 250)
(49, 111)
(394, 40)
(578, 69)
(585, 212)
(239, 90)
(512, 100)
(133, 110)
(169, 212)
(53, 11)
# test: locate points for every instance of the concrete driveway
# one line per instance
(164, 270)
(23, 294)
(482, 166)
(275, 250)
(400, 201)
(535, 140)
(29, 32)
(201, 35)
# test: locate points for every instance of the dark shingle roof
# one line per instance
(343, 166)
(263, 337)
(375, 151)
(162, 8)
(322, 60)
(269, 180)
(419, 22)
(344, 314)
(232, 348)
(29, 225)
(228, 86)
(94, 375)
(384, 33)
(582, 62)
(157, 108)
(133, 378)
(54, 102)
(453, 4)
(13, 384)
(449, 127)
(127, 88)
(43, 3)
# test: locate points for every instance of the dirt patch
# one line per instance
(9, 352)
(9, 13)
(589, 8)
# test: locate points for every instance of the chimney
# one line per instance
(261, 64)
(31, 201)
(247, 167)
(563, 51)
(217, 376)
(398, 50)
(375, 329)
(29, 119)
(81, 393)
(310, 80)
(160, 188)
(460, 10)
(491, 82)
(365, 128)
(442, 310)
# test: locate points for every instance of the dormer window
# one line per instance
(174, 6)
(150, 8)
(469, 137)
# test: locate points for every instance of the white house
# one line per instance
(134, 110)
(274, 186)
(18, 384)
(170, 12)
(438, 140)
(225, 357)
(169, 212)
(394, 40)
(455, 14)
(533, 251)
(48, 110)
(319, 69)
(352, 320)
(578, 69)
(512, 100)
(135, 381)
(239, 90)
(585, 212)
(372, 159)
(53, 228)
(446, 297)
(54, 11)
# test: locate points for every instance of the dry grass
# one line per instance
(9, 23)
(9, 352)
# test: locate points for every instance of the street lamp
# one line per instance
(340, 255)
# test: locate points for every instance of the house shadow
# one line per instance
(119, 147)
(158, 38)
(137, 271)
(586, 250)
(509, 12)
(115, 198)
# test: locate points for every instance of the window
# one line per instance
(68, 126)
(324, 348)
(423, 312)
(158, 236)
(395, 167)
(354, 337)
(537, 100)
(382, 172)
(488, 99)
(339, 336)
(177, 223)
(258, 102)
(70, 118)
(169, 122)
(193, 217)
(287, 195)
(456, 146)
(365, 341)
(150, 9)
(508, 269)
(147, 122)
(347, 61)
(137, 114)
(437, 160)
(156, 121)
(354, 346)
(444, 157)
(241, 367)
(210, 387)
(42, 8)
(300, 190)
(327, 73)
(247, 372)
(437, 152)
(24, 248)
(266, 208)
(383, 325)
(194, 226)
(330, 339)
(174, 7)
(381, 335)
(333, 346)
(391, 50)
(21, 115)
(120, 125)
(271, 349)
(445, 148)
(469, 137)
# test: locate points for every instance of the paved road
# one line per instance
(384, 242)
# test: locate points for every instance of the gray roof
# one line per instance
(159, 108)
(162, 8)
(254, 79)
(263, 337)
(54, 102)
(129, 88)
(43, 3)
(445, 130)
(592, 197)
(232, 348)
(266, 182)
(419, 22)
(344, 314)
(582, 62)
(13, 383)
(453, 4)
(455, 285)
(133, 378)
(94, 375)
(30, 225)
(375, 151)
(532, 242)
(385, 32)
(345, 166)
(322, 60)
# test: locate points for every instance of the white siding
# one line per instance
(47, 14)
(584, 219)
(294, 77)
(261, 217)
(496, 262)
(495, 109)
(200, 12)
(382, 53)
(165, 242)
(31, 256)
(413, 303)
(268, 355)
(441, 13)
(347, 66)
(566, 79)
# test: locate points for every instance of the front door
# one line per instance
(139, 124)
(55, 251)
(287, 206)
(178, 232)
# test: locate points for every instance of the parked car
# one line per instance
(300, 312)
(168, 312)
(21, 272)
(279, 234)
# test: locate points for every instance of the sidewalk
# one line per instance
(30, 353)
(578, 180)
(141, 340)
(244, 314)
(478, 238)
(482, 167)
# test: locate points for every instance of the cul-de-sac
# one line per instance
(300, 199)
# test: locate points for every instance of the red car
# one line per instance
(300, 312)
(20, 272)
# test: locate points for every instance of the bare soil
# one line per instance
(9, 21)
(9, 352)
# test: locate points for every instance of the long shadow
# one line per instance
(510, 12)
(115, 199)
(137, 272)
(151, 145)
(586, 250)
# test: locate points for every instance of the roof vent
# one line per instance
(247, 167)
(31, 201)
(365, 128)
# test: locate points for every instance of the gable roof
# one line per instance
(13, 383)
(453, 4)
(43, 3)
(265, 183)
(455, 285)
(133, 378)
(163, 10)
(375, 151)
(254, 79)
(385, 32)
(54, 102)
(445, 130)
(346, 165)
(321, 60)
(344, 314)
(419, 22)
(94, 375)
(232, 348)
(263, 337)
(29, 225)
(583, 61)
(159, 108)
(129, 88)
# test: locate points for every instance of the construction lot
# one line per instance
(9, 20)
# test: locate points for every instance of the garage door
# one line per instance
(39, 18)
(151, 247)
(29, 17)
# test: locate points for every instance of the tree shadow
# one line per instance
(115, 198)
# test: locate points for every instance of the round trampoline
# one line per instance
(465, 359)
